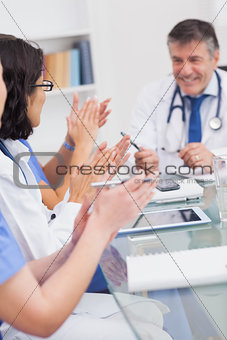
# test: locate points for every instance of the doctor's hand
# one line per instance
(196, 154)
(148, 160)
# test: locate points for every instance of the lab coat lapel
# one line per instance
(208, 133)
(175, 128)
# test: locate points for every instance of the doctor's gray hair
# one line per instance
(194, 30)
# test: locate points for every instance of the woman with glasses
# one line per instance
(40, 231)
(37, 297)
(22, 65)
(83, 127)
(82, 131)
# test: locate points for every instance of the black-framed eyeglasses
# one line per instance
(46, 85)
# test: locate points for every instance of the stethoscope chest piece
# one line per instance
(215, 123)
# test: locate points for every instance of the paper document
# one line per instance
(199, 177)
(189, 189)
(177, 269)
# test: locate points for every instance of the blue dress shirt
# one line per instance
(211, 91)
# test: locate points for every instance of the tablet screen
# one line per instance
(161, 218)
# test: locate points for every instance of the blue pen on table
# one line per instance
(118, 182)
(131, 142)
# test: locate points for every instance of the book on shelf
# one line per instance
(75, 67)
(57, 68)
(70, 68)
(62, 69)
(86, 69)
(49, 66)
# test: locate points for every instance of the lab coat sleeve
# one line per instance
(26, 220)
(142, 127)
(66, 213)
(62, 225)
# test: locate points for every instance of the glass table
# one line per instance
(194, 313)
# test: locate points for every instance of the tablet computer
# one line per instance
(166, 219)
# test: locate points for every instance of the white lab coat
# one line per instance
(98, 317)
(28, 219)
(149, 121)
(26, 215)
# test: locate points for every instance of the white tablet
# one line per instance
(166, 219)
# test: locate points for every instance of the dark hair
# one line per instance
(194, 30)
(22, 66)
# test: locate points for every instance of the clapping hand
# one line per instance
(114, 266)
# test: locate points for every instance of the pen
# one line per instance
(131, 142)
(118, 182)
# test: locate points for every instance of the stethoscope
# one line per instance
(215, 123)
(6, 152)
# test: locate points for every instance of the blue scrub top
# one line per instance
(11, 258)
(34, 165)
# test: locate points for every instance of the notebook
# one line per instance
(178, 269)
(189, 189)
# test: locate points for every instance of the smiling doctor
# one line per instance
(182, 119)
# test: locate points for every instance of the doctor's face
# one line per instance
(3, 93)
(192, 66)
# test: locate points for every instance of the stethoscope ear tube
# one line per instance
(216, 122)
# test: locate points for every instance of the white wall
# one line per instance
(130, 49)
(27, 18)
(129, 45)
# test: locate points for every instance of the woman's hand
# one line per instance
(121, 149)
(86, 121)
(118, 157)
(83, 125)
(115, 208)
(114, 266)
(103, 113)
(84, 175)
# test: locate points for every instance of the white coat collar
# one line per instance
(167, 88)
(211, 89)
(15, 146)
(223, 75)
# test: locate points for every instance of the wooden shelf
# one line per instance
(61, 35)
